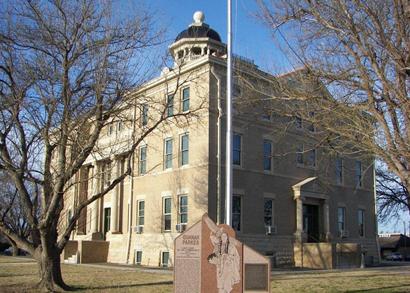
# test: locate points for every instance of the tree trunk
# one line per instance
(48, 258)
(50, 271)
(14, 248)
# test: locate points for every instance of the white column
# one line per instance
(299, 215)
(326, 219)
(114, 198)
(94, 205)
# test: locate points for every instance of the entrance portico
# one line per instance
(312, 212)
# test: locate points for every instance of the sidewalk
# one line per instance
(275, 272)
(125, 267)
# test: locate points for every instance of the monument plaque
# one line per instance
(209, 259)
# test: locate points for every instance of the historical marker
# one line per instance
(209, 259)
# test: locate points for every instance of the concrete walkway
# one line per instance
(124, 267)
(399, 266)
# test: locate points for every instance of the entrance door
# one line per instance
(107, 220)
(311, 222)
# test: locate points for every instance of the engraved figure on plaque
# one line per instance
(225, 257)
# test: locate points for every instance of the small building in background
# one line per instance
(394, 246)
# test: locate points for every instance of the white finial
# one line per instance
(199, 17)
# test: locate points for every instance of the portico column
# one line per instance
(299, 216)
(114, 198)
(298, 246)
(94, 205)
(326, 219)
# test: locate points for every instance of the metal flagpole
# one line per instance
(228, 163)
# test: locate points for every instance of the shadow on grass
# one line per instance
(123, 286)
(17, 275)
(383, 288)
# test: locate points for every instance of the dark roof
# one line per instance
(202, 31)
(394, 241)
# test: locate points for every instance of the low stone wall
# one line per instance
(93, 251)
(70, 249)
(348, 255)
(325, 255)
(314, 255)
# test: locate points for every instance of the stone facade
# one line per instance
(139, 218)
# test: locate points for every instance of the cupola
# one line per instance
(197, 41)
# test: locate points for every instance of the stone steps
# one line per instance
(72, 259)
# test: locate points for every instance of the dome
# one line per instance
(198, 29)
(198, 32)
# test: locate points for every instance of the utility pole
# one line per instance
(228, 162)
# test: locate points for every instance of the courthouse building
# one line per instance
(293, 205)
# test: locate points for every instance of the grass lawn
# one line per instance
(19, 275)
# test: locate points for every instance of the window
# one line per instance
(237, 148)
(69, 216)
(299, 154)
(305, 157)
(266, 117)
(119, 126)
(268, 212)
(168, 153)
(341, 216)
(166, 215)
(196, 50)
(360, 219)
(311, 126)
(183, 209)
(298, 122)
(185, 99)
(311, 158)
(110, 129)
(184, 149)
(107, 219)
(358, 173)
(236, 212)
(164, 259)
(144, 115)
(267, 155)
(339, 170)
(138, 257)
(143, 160)
(170, 105)
(236, 90)
(141, 213)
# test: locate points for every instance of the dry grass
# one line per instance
(19, 275)
(387, 279)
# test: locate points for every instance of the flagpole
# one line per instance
(228, 163)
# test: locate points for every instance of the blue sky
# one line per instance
(251, 39)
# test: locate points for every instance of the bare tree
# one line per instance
(11, 211)
(67, 69)
(392, 195)
(359, 52)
